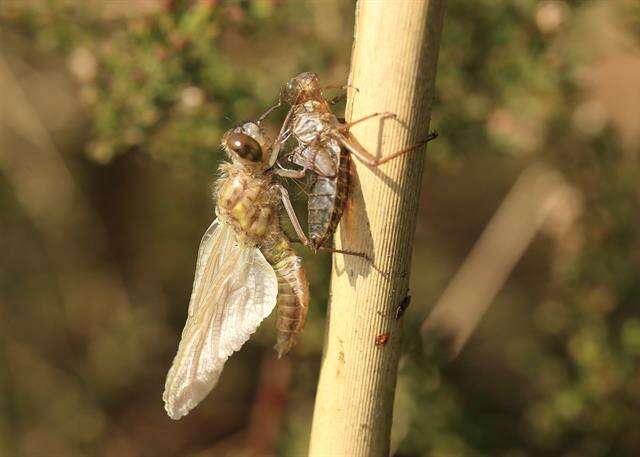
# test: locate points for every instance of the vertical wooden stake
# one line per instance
(393, 69)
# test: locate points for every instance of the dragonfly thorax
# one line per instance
(312, 124)
(247, 202)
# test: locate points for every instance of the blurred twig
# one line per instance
(52, 200)
(262, 433)
(268, 411)
(538, 195)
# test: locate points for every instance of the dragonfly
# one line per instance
(245, 268)
(324, 146)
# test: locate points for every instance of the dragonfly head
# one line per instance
(246, 144)
(303, 87)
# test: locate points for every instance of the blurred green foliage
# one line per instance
(98, 270)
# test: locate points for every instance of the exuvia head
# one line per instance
(301, 88)
(246, 144)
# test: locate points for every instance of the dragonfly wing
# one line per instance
(236, 292)
(215, 243)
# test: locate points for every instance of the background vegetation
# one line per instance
(111, 116)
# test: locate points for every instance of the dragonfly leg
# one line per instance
(345, 252)
(338, 98)
(340, 86)
(365, 156)
(348, 125)
(268, 111)
(337, 251)
(362, 255)
(288, 173)
(303, 237)
(280, 140)
(286, 201)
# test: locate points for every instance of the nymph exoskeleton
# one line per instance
(324, 146)
(245, 268)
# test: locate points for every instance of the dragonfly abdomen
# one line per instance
(320, 206)
(293, 291)
(327, 202)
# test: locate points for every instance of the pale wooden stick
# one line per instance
(393, 66)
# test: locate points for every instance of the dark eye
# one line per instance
(244, 146)
(290, 92)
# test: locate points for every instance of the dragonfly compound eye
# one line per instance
(290, 92)
(305, 85)
(244, 146)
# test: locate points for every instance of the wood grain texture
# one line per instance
(393, 68)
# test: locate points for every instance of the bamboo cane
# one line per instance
(392, 70)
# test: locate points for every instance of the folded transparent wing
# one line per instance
(234, 291)
(215, 243)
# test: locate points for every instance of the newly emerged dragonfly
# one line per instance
(245, 268)
(324, 146)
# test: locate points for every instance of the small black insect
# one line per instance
(402, 307)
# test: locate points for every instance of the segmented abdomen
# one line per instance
(293, 290)
(327, 202)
